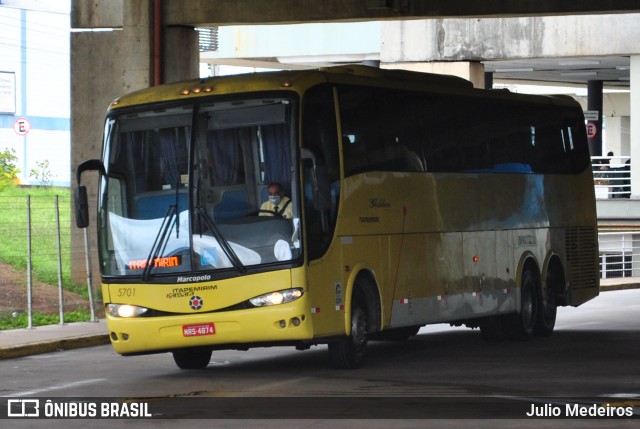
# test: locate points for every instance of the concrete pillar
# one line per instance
(635, 125)
(472, 71)
(104, 66)
(635, 257)
(181, 56)
(617, 135)
(488, 80)
(594, 103)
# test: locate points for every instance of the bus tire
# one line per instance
(192, 358)
(521, 325)
(548, 308)
(350, 352)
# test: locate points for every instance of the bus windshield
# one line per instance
(205, 187)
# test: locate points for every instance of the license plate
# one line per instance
(198, 330)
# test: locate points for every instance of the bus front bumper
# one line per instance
(286, 323)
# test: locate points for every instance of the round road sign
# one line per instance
(592, 130)
(21, 126)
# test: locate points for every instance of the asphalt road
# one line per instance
(447, 373)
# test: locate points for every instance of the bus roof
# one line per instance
(299, 80)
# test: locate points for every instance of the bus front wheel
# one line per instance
(192, 358)
(349, 352)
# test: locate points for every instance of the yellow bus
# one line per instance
(413, 199)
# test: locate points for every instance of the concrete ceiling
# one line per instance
(612, 70)
(224, 12)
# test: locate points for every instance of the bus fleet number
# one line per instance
(126, 292)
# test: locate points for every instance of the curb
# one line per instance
(54, 345)
(619, 286)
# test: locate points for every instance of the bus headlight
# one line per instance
(125, 310)
(275, 298)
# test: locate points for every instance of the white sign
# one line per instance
(592, 115)
(7, 92)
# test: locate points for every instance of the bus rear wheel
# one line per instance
(548, 308)
(350, 352)
(521, 325)
(192, 358)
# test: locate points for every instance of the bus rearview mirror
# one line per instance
(82, 207)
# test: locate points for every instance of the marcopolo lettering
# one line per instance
(192, 279)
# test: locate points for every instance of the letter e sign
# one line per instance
(21, 126)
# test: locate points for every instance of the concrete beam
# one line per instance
(509, 38)
(97, 14)
(228, 12)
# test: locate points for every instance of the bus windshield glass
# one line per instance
(207, 187)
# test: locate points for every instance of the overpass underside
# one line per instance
(102, 13)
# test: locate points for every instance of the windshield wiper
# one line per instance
(224, 244)
(160, 241)
(164, 232)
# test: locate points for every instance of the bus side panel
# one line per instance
(441, 298)
(505, 271)
(463, 280)
(487, 266)
(327, 291)
(407, 279)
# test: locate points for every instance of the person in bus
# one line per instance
(278, 204)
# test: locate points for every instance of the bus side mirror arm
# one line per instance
(80, 193)
(320, 179)
(89, 165)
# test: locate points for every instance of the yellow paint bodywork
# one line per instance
(455, 242)
(439, 247)
(254, 325)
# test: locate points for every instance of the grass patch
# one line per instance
(20, 320)
(44, 241)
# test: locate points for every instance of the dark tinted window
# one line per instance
(320, 136)
(391, 130)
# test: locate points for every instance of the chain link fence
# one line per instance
(36, 257)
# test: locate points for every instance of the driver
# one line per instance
(277, 204)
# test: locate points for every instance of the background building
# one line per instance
(35, 87)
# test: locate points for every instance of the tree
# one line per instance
(8, 170)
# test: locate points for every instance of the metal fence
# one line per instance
(619, 254)
(612, 176)
(36, 257)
